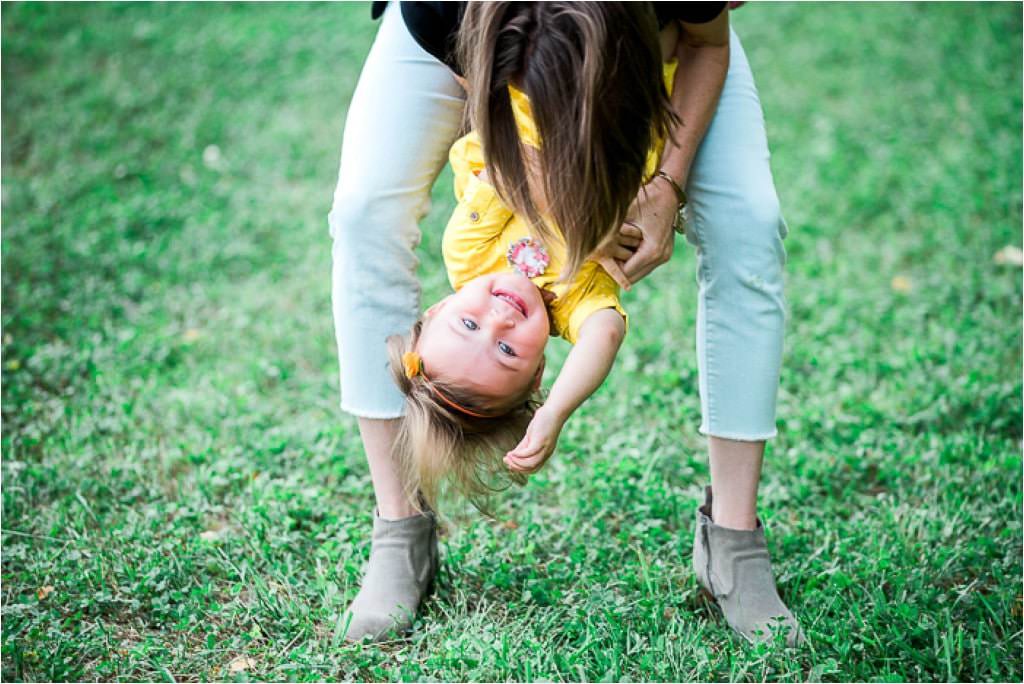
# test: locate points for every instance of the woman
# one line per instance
(404, 115)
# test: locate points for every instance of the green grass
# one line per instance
(180, 489)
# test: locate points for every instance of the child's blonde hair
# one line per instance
(439, 444)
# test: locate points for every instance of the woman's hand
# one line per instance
(655, 213)
(537, 445)
(617, 250)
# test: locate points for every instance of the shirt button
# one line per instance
(474, 216)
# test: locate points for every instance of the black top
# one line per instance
(434, 24)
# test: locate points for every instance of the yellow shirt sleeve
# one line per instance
(592, 290)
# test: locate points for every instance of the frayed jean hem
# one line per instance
(370, 415)
(738, 437)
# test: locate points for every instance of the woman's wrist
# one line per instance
(680, 194)
(660, 209)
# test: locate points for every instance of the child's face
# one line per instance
(488, 337)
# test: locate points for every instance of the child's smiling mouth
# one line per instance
(513, 300)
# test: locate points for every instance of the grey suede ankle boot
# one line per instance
(400, 573)
(733, 566)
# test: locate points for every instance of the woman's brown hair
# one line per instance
(438, 445)
(593, 73)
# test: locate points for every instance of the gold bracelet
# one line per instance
(680, 193)
(679, 223)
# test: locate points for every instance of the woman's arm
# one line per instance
(703, 54)
(585, 368)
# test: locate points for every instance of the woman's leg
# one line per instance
(388, 489)
(404, 115)
(738, 229)
(736, 470)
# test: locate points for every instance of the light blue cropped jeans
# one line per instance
(405, 114)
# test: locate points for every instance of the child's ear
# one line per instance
(539, 375)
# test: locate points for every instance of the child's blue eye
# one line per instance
(470, 324)
(505, 349)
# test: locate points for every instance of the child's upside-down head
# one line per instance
(471, 371)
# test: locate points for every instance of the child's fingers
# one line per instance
(523, 461)
(525, 469)
(530, 459)
(518, 466)
(527, 458)
(518, 453)
(522, 455)
(513, 461)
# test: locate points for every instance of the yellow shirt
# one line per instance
(480, 231)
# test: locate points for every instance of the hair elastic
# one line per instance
(412, 363)
(454, 404)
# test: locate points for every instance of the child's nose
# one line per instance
(502, 317)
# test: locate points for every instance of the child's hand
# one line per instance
(537, 445)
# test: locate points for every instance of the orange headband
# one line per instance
(413, 365)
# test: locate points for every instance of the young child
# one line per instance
(471, 367)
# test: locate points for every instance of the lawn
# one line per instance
(182, 497)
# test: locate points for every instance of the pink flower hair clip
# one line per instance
(528, 257)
